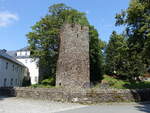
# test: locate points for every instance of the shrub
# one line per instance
(50, 81)
(26, 81)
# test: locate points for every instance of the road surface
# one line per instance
(19, 105)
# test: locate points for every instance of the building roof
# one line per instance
(11, 53)
(4, 55)
(22, 57)
(24, 49)
(14, 53)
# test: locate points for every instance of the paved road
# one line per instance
(124, 108)
(18, 105)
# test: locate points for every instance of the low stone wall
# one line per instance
(86, 96)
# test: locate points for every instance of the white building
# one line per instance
(12, 71)
(23, 55)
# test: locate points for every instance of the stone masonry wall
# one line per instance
(84, 96)
(73, 62)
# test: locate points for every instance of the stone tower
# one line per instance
(73, 61)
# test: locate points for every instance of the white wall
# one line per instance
(23, 53)
(13, 73)
(31, 64)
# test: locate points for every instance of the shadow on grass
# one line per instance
(137, 85)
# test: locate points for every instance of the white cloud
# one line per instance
(6, 18)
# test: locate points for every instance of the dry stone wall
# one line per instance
(73, 62)
(85, 96)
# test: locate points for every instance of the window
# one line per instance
(26, 61)
(26, 53)
(21, 70)
(36, 80)
(13, 67)
(20, 53)
(16, 69)
(16, 82)
(5, 81)
(11, 82)
(6, 65)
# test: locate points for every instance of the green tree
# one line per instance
(96, 57)
(26, 81)
(137, 21)
(44, 38)
(116, 52)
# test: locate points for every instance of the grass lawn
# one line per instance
(110, 82)
(120, 84)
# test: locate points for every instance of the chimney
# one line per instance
(3, 50)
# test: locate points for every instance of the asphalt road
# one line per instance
(124, 108)
(19, 105)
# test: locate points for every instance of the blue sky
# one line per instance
(17, 17)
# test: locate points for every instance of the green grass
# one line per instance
(41, 86)
(112, 83)
(120, 84)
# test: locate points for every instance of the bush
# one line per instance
(124, 84)
(50, 81)
(26, 81)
